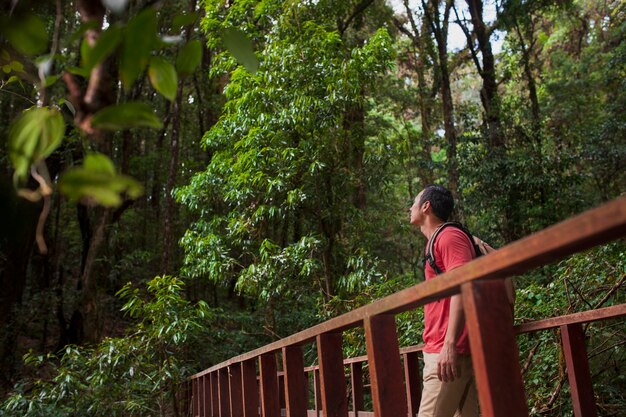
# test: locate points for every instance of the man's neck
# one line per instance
(430, 225)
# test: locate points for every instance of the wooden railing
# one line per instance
(236, 388)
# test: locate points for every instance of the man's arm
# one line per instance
(456, 250)
(447, 364)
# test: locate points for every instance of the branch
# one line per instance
(613, 289)
(529, 359)
(360, 8)
(470, 42)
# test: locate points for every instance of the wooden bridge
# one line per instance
(250, 385)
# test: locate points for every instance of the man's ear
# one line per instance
(426, 206)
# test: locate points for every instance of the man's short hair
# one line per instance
(441, 200)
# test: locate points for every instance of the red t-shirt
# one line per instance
(452, 249)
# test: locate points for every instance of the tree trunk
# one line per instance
(168, 218)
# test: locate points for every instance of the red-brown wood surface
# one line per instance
(235, 389)
(583, 400)
(206, 396)
(383, 354)
(250, 388)
(281, 390)
(413, 382)
(223, 392)
(595, 226)
(494, 351)
(318, 391)
(332, 376)
(270, 406)
(356, 382)
(582, 317)
(195, 397)
(295, 382)
(215, 395)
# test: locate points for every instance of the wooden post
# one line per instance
(235, 390)
(318, 392)
(250, 388)
(413, 382)
(215, 406)
(494, 350)
(332, 376)
(578, 374)
(224, 392)
(383, 355)
(356, 381)
(194, 397)
(270, 406)
(207, 395)
(295, 382)
(281, 391)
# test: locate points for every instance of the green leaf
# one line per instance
(105, 46)
(189, 57)
(182, 20)
(240, 46)
(126, 116)
(97, 180)
(27, 34)
(17, 66)
(33, 136)
(82, 72)
(139, 40)
(163, 77)
(50, 80)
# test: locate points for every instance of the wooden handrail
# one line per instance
(600, 225)
(531, 326)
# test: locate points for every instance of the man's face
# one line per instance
(417, 215)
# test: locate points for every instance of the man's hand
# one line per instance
(447, 364)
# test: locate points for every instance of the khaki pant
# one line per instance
(447, 399)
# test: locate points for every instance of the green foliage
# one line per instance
(163, 77)
(273, 151)
(139, 40)
(128, 115)
(241, 48)
(136, 375)
(34, 136)
(26, 33)
(189, 57)
(97, 180)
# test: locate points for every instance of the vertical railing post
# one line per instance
(295, 382)
(224, 392)
(250, 389)
(270, 406)
(281, 391)
(317, 391)
(235, 389)
(201, 402)
(383, 355)
(207, 395)
(194, 397)
(332, 375)
(578, 374)
(413, 382)
(495, 357)
(215, 406)
(356, 381)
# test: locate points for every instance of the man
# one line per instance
(448, 388)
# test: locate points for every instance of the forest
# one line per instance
(182, 182)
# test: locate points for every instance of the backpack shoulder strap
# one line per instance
(430, 247)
